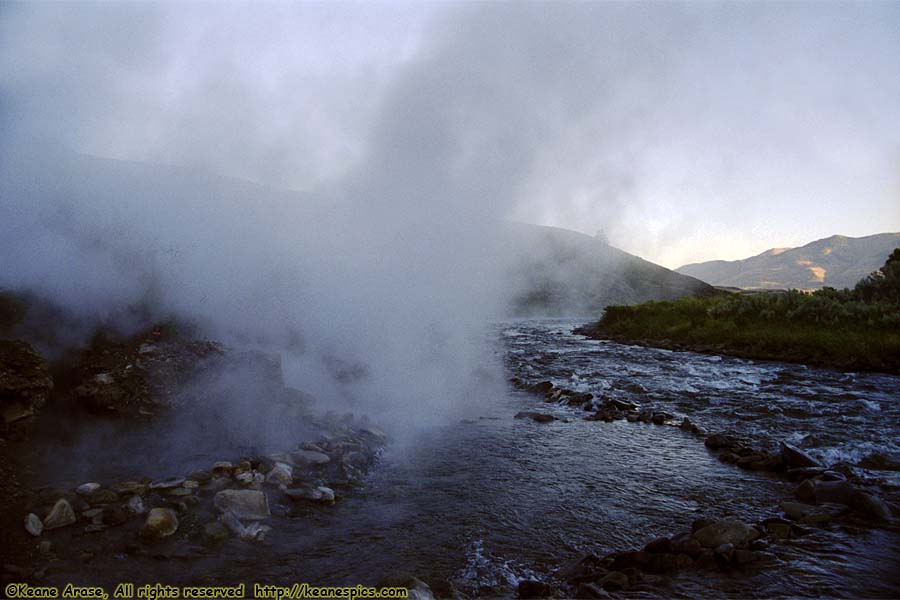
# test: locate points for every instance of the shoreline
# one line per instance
(594, 330)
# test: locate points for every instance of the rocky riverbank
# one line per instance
(838, 495)
(153, 384)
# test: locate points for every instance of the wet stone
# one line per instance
(34, 525)
(60, 515)
(160, 523)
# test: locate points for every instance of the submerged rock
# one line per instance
(535, 416)
(728, 531)
(60, 515)
(160, 523)
(252, 505)
(316, 494)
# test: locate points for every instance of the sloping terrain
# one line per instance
(836, 261)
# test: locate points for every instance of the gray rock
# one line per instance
(281, 474)
(135, 505)
(252, 505)
(34, 525)
(795, 458)
(254, 532)
(86, 489)
(316, 494)
(309, 458)
(728, 531)
(167, 484)
(160, 523)
(60, 515)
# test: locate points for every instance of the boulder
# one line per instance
(281, 474)
(160, 523)
(721, 440)
(795, 458)
(60, 515)
(309, 458)
(216, 531)
(252, 505)
(728, 531)
(34, 525)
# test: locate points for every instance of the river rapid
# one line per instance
(477, 505)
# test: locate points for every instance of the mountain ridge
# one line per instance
(837, 261)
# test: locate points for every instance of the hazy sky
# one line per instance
(686, 131)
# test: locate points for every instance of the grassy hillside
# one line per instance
(837, 261)
(851, 329)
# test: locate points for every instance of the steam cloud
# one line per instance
(412, 139)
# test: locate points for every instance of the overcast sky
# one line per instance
(686, 132)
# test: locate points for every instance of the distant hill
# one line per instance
(560, 272)
(837, 261)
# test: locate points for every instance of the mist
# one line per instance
(330, 182)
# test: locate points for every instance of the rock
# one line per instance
(589, 590)
(309, 458)
(728, 531)
(778, 529)
(804, 473)
(216, 531)
(135, 505)
(721, 440)
(254, 532)
(167, 484)
(795, 458)
(536, 416)
(160, 523)
(251, 505)
(60, 515)
(86, 489)
(128, 488)
(660, 418)
(281, 474)
(418, 589)
(662, 563)
(806, 492)
(872, 506)
(614, 581)
(25, 382)
(316, 494)
(743, 557)
(34, 525)
(810, 514)
(879, 461)
(626, 560)
(542, 388)
(699, 524)
(530, 588)
(659, 546)
(579, 399)
(838, 492)
(222, 468)
(685, 543)
(686, 424)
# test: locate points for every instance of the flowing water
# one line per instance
(479, 504)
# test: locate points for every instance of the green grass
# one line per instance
(789, 327)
